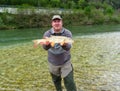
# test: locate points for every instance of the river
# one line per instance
(95, 57)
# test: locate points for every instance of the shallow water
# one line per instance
(99, 57)
(95, 57)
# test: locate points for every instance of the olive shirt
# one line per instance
(58, 55)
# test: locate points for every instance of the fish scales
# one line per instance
(54, 39)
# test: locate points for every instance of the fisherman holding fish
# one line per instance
(59, 57)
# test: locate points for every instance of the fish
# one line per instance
(53, 40)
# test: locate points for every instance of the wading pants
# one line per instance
(68, 82)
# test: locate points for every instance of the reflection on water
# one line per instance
(99, 55)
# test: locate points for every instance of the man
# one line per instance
(59, 56)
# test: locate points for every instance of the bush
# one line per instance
(109, 10)
(97, 16)
(1, 21)
(115, 19)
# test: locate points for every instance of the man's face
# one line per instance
(57, 25)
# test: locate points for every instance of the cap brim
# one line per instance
(56, 19)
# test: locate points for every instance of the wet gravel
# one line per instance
(100, 62)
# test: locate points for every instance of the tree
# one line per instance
(55, 3)
(82, 4)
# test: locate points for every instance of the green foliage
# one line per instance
(87, 10)
(55, 3)
(74, 12)
(42, 3)
(77, 4)
(2, 25)
(1, 21)
(109, 10)
(114, 3)
(24, 6)
(82, 4)
(88, 16)
(98, 16)
(7, 21)
(115, 19)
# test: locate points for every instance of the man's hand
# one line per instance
(63, 43)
